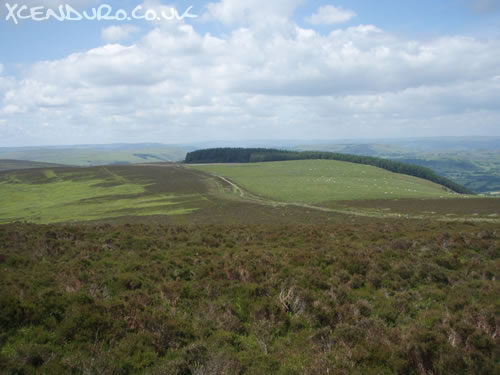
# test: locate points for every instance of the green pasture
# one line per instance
(325, 180)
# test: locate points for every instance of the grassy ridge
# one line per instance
(242, 155)
(382, 298)
(325, 180)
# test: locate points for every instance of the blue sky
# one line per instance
(422, 49)
(34, 41)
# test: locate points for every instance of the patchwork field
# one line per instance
(314, 181)
(285, 192)
(74, 194)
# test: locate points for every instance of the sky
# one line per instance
(247, 69)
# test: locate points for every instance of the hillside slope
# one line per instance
(256, 155)
(475, 168)
(176, 194)
(325, 180)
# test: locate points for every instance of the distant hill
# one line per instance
(93, 155)
(447, 143)
(405, 145)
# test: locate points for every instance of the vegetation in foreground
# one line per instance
(325, 180)
(381, 298)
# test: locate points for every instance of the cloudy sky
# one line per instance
(249, 69)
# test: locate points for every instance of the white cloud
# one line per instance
(238, 12)
(279, 81)
(329, 15)
(117, 33)
(12, 109)
(6, 83)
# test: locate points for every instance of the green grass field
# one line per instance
(314, 181)
(65, 195)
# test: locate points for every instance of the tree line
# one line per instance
(258, 155)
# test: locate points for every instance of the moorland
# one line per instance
(290, 267)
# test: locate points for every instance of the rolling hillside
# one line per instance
(151, 194)
(314, 181)
(259, 155)
(294, 192)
